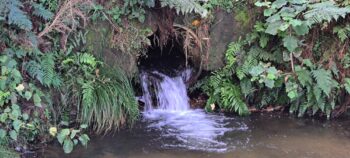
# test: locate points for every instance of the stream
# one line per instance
(169, 128)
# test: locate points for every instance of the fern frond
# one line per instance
(50, 77)
(304, 76)
(87, 59)
(34, 70)
(325, 11)
(347, 85)
(231, 99)
(11, 10)
(41, 11)
(185, 6)
(324, 80)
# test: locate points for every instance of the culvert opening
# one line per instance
(168, 59)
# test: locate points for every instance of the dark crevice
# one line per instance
(168, 59)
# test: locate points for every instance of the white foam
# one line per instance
(171, 114)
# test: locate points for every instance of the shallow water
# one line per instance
(168, 128)
(256, 136)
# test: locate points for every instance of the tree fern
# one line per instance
(185, 6)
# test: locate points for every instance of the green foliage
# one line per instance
(44, 70)
(104, 96)
(41, 11)
(228, 5)
(325, 11)
(225, 93)
(222, 90)
(343, 33)
(11, 10)
(294, 18)
(185, 6)
(5, 152)
(16, 125)
(69, 138)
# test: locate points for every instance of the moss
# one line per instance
(6, 152)
(242, 16)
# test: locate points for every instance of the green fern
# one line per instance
(325, 11)
(185, 6)
(225, 93)
(88, 59)
(50, 77)
(324, 80)
(11, 10)
(304, 76)
(231, 99)
(41, 11)
(343, 33)
(34, 70)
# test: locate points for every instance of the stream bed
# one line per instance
(256, 136)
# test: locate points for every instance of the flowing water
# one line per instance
(169, 128)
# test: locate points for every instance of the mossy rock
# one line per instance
(99, 42)
(226, 28)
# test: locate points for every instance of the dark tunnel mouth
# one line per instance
(168, 59)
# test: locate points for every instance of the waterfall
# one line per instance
(167, 110)
(170, 93)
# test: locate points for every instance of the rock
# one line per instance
(224, 29)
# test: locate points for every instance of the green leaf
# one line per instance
(263, 40)
(256, 70)
(295, 22)
(28, 95)
(63, 135)
(304, 76)
(347, 85)
(84, 139)
(41, 11)
(68, 146)
(65, 131)
(3, 117)
(83, 126)
(278, 4)
(268, 12)
(37, 100)
(301, 30)
(18, 17)
(13, 135)
(292, 94)
(262, 4)
(273, 27)
(269, 83)
(2, 134)
(73, 133)
(324, 80)
(25, 116)
(291, 43)
(16, 125)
